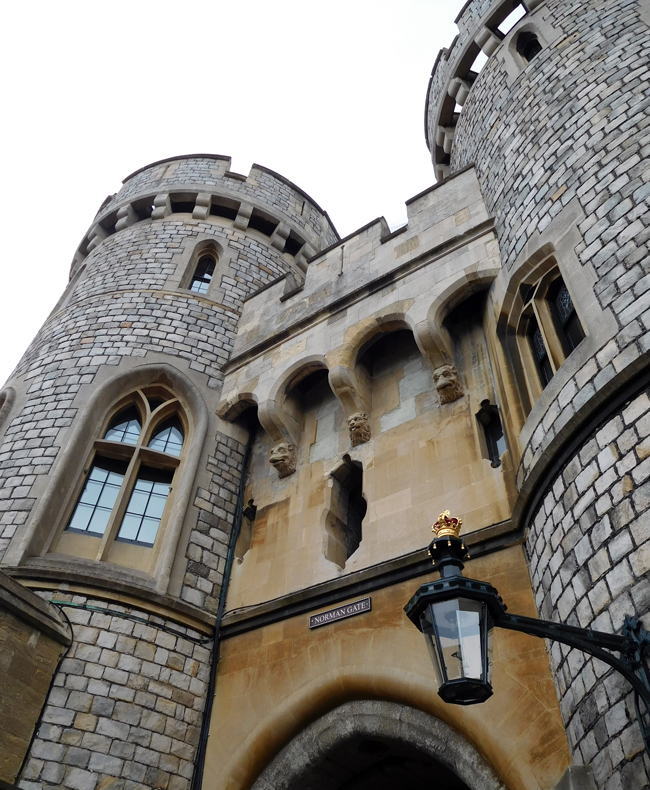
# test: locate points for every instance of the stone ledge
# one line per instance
(110, 588)
(28, 607)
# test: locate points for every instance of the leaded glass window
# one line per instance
(540, 354)
(569, 326)
(127, 487)
(126, 427)
(146, 505)
(168, 438)
(98, 497)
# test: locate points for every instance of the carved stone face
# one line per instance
(359, 427)
(283, 456)
(447, 383)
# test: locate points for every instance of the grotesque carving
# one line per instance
(283, 456)
(359, 427)
(447, 383)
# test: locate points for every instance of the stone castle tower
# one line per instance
(234, 420)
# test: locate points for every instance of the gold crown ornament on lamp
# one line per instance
(447, 525)
(445, 530)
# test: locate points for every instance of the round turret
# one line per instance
(555, 125)
(119, 485)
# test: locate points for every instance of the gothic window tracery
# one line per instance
(551, 327)
(129, 477)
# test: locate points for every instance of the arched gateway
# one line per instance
(380, 745)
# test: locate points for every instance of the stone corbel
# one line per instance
(283, 430)
(126, 217)
(345, 385)
(487, 41)
(243, 216)
(304, 254)
(459, 89)
(162, 207)
(445, 137)
(202, 206)
(445, 376)
(279, 236)
(96, 237)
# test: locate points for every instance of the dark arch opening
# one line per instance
(378, 745)
(363, 763)
(528, 45)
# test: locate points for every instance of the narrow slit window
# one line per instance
(495, 441)
(203, 274)
(125, 427)
(95, 505)
(168, 438)
(146, 505)
(348, 509)
(540, 354)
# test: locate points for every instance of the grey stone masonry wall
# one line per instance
(125, 709)
(573, 125)
(589, 551)
(120, 309)
(208, 544)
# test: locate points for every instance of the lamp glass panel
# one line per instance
(458, 626)
(430, 638)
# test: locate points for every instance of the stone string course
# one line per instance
(589, 551)
(575, 124)
(125, 709)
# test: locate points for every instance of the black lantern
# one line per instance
(459, 637)
(457, 617)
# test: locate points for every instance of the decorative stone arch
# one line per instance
(68, 467)
(275, 419)
(456, 292)
(307, 753)
(359, 335)
(235, 404)
(283, 426)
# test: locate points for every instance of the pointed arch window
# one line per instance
(551, 326)
(202, 276)
(126, 427)
(129, 478)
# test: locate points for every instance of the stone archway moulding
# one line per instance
(376, 718)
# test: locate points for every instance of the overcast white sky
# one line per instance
(331, 95)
